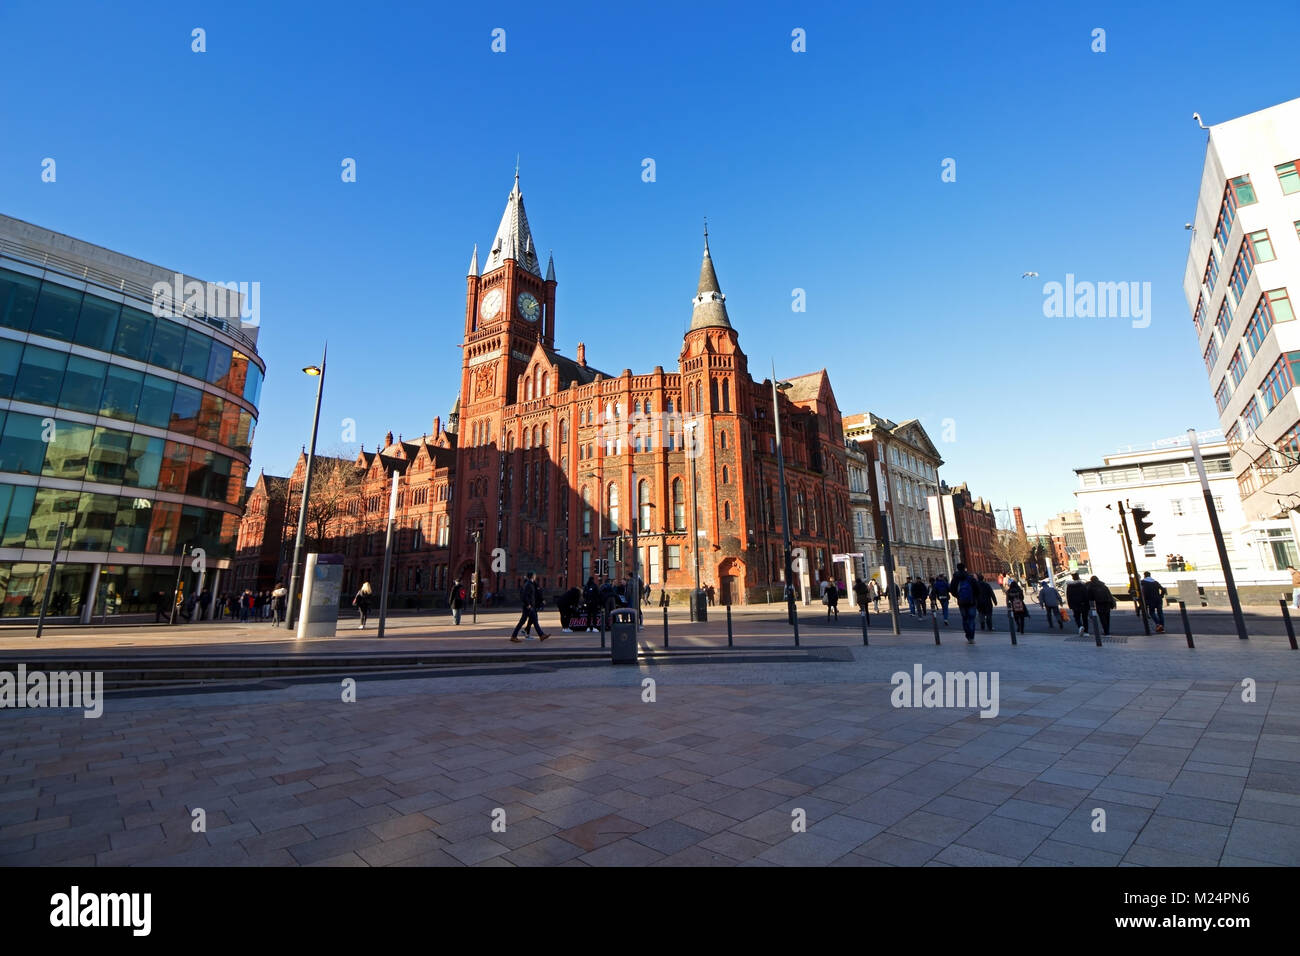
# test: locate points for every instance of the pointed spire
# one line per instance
(514, 240)
(473, 262)
(550, 267)
(709, 305)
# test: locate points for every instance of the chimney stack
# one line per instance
(582, 354)
(1020, 521)
(437, 426)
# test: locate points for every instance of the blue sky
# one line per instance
(817, 170)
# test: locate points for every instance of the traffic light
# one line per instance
(1142, 525)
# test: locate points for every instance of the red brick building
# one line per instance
(550, 460)
(976, 532)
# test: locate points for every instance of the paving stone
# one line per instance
(1005, 837)
(898, 851)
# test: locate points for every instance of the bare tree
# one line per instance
(335, 483)
(1011, 548)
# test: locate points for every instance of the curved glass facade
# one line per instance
(133, 430)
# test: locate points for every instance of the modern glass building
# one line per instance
(125, 417)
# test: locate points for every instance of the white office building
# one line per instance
(1162, 479)
(1242, 283)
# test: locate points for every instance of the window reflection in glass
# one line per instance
(40, 375)
(121, 398)
(156, 399)
(97, 324)
(83, 385)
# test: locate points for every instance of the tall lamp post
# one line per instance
(319, 372)
(699, 605)
(785, 505)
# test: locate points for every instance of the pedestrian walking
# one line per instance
(361, 601)
(966, 588)
(1016, 602)
(1076, 599)
(591, 600)
(1153, 596)
(1100, 595)
(941, 593)
(985, 602)
(833, 601)
(919, 593)
(911, 599)
(861, 592)
(160, 607)
(457, 602)
(278, 598)
(528, 605)
(1049, 599)
(873, 589)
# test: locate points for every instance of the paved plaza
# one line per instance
(573, 765)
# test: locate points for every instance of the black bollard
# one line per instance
(1187, 625)
(602, 631)
(1095, 622)
(665, 627)
(1290, 629)
(729, 643)
(934, 621)
(865, 621)
(1011, 624)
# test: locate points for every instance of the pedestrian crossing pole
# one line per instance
(1228, 582)
(388, 551)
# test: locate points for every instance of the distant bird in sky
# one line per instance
(1030, 275)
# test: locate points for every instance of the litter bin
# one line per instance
(622, 636)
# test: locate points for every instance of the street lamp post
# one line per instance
(319, 372)
(785, 505)
(699, 610)
(478, 540)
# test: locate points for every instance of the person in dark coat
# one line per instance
(161, 608)
(1153, 596)
(528, 604)
(567, 604)
(919, 593)
(457, 601)
(833, 601)
(1076, 599)
(1100, 595)
(861, 592)
(1016, 601)
(940, 592)
(965, 587)
(985, 603)
(361, 601)
(278, 598)
(591, 599)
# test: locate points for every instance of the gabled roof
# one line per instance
(514, 240)
(806, 388)
(568, 371)
(917, 431)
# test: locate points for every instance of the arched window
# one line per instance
(725, 475)
(699, 396)
(722, 438)
(609, 411)
(713, 395)
(586, 510)
(546, 377)
(546, 435)
(679, 506)
(536, 443)
(564, 431)
(613, 507)
(527, 438)
(528, 387)
(510, 441)
(726, 395)
(643, 504)
(803, 512)
(668, 408)
(726, 510)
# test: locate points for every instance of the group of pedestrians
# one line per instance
(243, 606)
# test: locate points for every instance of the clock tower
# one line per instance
(509, 309)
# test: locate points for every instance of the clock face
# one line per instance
(529, 307)
(491, 304)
